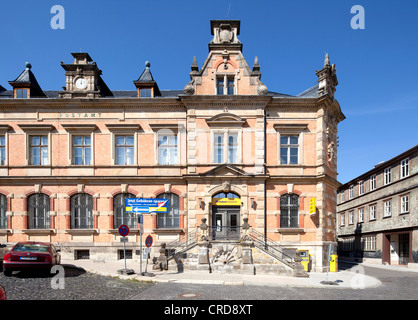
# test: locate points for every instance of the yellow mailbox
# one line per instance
(333, 263)
(306, 259)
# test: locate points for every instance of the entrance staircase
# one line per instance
(177, 249)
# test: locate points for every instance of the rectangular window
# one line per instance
(405, 168)
(387, 208)
(230, 86)
(405, 204)
(2, 150)
(342, 197)
(125, 150)
(360, 215)
(225, 85)
(289, 149)
(167, 149)
(219, 148)
(82, 150)
(361, 188)
(145, 93)
(21, 93)
(220, 83)
(369, 243)
(372, 212)
(38, 150)
(372, 182)
(351, 217)
(232, 147)
(350, 193)
(226, 147)
(387, 176)
(342, 222)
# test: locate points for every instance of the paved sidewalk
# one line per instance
(354, 279)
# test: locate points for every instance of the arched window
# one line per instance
(38, 211)
(170, 219)
(3, 209)
(289, 211)
(119, 211)
(81, 211)
(228, 195)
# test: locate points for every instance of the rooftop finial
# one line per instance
(147, 64)
(326, 63)
(28, 65)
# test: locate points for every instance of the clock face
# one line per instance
(81, 83)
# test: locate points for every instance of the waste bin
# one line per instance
(304, 254)
(333, 263)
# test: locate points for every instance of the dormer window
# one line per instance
(225, 85)
(25, 85)
(146, 86)
(21, 93)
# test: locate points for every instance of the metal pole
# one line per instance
(140, 250)
(124, 252)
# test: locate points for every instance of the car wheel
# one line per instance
(7, 273)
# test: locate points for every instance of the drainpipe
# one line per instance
(264, 170)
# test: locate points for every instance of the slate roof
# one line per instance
(310, 93)
(27, 77)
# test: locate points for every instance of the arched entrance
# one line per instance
(226, 216)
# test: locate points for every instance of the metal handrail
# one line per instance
(184, 243)
(270, 247)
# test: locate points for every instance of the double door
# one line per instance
(225, 223)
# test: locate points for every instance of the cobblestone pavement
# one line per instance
(81, 285)
(78, 285)
(395, 286)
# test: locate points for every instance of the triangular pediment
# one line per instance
(225, 170)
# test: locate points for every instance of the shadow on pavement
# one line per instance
(69, 271)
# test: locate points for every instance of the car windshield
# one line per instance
(31, 247)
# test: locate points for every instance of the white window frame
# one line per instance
(123, 130)
(351, 192)
(342, 197)
(404, 204)
(226, 133)
(372, 212)
(342, 222)
(361, 188)
(4, 133)
(404, 168)
(387, 208)
(351, 217)
(169, 147)
(372, 182)
(387, 176)
(36, 130)
(361, 215)
(225, 77)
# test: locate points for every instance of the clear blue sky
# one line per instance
(377, 67)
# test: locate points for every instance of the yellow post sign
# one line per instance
(312, 206)
(226, 201)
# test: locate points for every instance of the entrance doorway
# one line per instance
(226, 216)
(396, 248)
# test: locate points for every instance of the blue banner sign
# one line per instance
(143, 205)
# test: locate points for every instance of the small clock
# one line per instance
(81, 83)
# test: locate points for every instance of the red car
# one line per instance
(31, 255)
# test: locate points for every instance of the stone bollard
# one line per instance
(161, 262)
(299, 270)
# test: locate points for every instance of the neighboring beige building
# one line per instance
(377, 213)
(224, 149)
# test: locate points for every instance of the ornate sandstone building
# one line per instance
(240, 164)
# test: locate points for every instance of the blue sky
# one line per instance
(377, 67)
